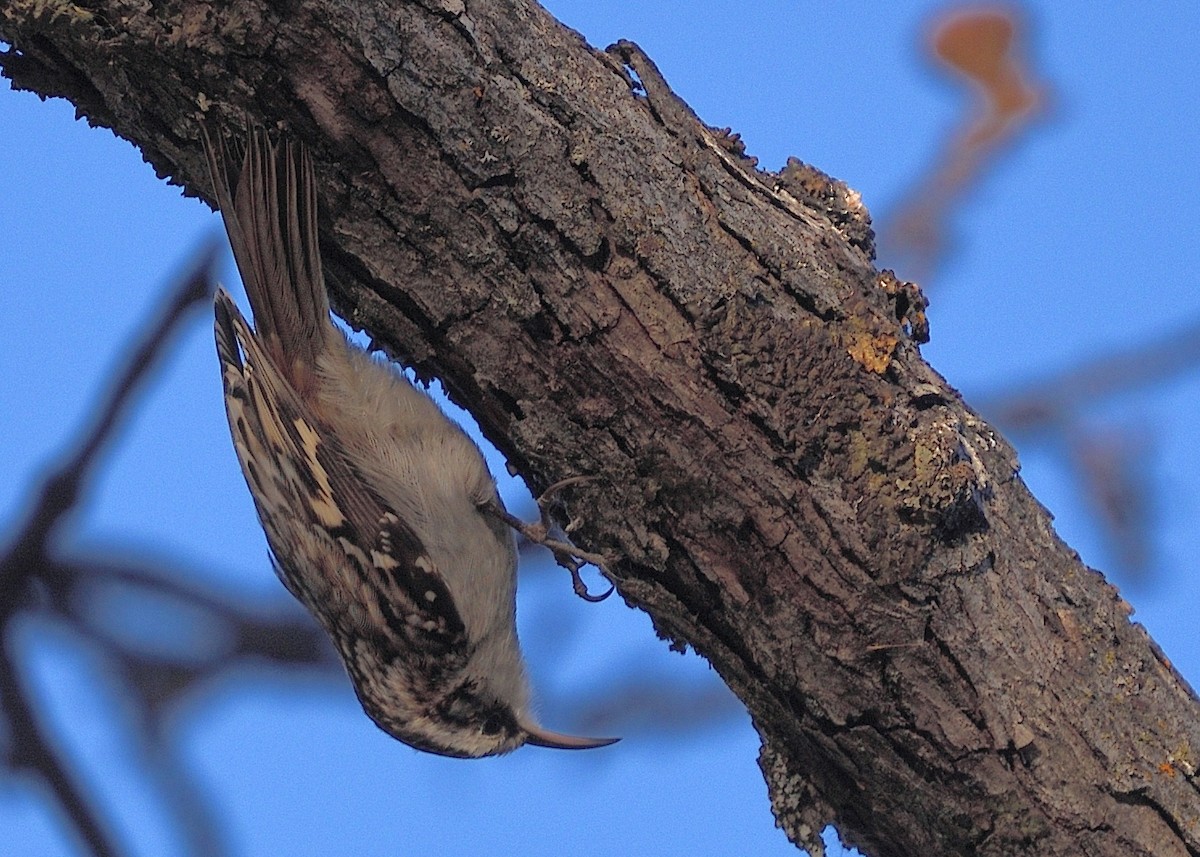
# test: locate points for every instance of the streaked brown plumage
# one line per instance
(374, 503)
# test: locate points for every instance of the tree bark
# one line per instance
(612, 288)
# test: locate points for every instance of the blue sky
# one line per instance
(1079, 242)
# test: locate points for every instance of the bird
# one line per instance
(380, 513)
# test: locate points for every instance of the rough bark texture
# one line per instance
(612, 288)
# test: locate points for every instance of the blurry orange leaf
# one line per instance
(986, 46)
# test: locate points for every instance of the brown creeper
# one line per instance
(381, 515)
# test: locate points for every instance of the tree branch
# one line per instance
(612, 288)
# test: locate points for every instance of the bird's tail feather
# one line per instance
(269, 206)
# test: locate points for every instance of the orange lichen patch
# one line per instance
(873, 351)
(1167, 769)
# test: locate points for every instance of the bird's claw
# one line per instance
(565, 554)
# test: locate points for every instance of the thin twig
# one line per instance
(29, 557)
(33, 750)
(1038, 406)
(60, 492)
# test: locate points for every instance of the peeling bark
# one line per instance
(613, 288)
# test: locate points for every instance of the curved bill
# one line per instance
(539, 737)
